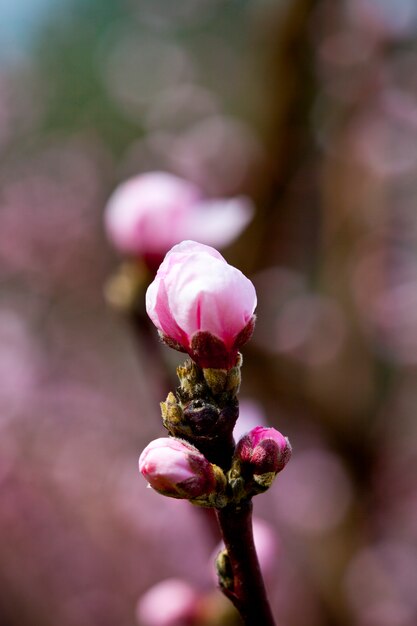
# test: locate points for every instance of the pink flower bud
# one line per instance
(202, 305)
(177, 469)
(148, 214)
(263, 450)
(172, 602)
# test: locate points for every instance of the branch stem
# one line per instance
(248, 592)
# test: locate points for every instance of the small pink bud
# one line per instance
(264, 450)
(172, 602)
(202, 305)
(148, 214)
(177, 469)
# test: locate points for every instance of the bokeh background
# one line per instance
(309, 108)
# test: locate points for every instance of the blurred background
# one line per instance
(310, 109)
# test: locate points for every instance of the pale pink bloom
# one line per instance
(201, 304)
(145, 213)
(177, 469)
(264, 450)
(148, 214)
(172, 602)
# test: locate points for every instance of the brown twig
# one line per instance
(247, 591)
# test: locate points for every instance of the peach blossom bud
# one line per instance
(263, 451)
(172, 602)
(202, 305)
(176, 468)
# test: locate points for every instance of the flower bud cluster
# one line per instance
(175, 468)
(205, 307)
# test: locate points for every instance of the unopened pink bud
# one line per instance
(172, 602)
(177, 469)
(148, 214)
(264, 450)
(202, 305)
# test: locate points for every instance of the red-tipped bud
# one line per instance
(263, 451)
(177, 469)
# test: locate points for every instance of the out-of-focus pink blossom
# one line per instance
(19, 363)
(266, 544)
(264, 450)
(316, 494)
(137, 69)
(52, 192)
(202, 305)
(304, 327)
(145, 213)
(387, 303)
(219, 152)
(172, 602)
(310, 328)
(148, 214)
(177, 469)
(386, 19)
(384, 141)
(380, 584)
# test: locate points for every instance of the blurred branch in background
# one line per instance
(310, 109)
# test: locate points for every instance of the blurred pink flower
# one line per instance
(177, 469)
(148, 214)
(380, 584)
(172, 602)
(316, 493)
(19, 363)
(52, 192)
(202, 305)
(218, 152)
(384, 19)
(264, 450)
